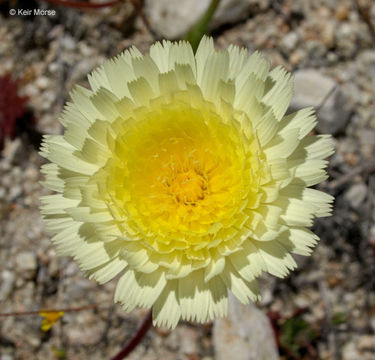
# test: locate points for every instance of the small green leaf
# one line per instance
(339, 318)
(295, 333)
(59, 353)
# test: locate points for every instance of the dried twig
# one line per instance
(37, 312)
(364, 14)
(325, 99)
(367, 167)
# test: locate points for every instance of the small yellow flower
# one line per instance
(50, 318)
(182, 173)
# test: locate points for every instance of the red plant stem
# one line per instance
(129, 347)
(36, 312)
(81, 4)
(87, 5)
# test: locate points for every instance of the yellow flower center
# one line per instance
(188, 187)
(181, 173)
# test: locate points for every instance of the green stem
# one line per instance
(196, 33)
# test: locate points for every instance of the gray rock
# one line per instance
(7, 283)
(6, 357)
(26, 264)
(173, 18)
(356, 195)
(314, 89)
(245, 334)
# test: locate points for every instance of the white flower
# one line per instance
(183, 174)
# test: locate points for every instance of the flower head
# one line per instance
(182, 174)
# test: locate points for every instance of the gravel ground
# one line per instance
(51, 54)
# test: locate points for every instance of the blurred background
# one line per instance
(324, 310)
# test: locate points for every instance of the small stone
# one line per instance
(42, 82)
(172, 341)
(54, 67)
(26, 264)
(332, 57)
(12, 151)
(34, 340)
(316, 51)
(367, 141)
(188, 341)
(54, 267)
(342, 11)
(356, 195)
(2, 193)
(349, 352)
(267, 297)
(246, 334)
(31, 91)
(372, 323)
(7, 283)
(290, 41)
(366, 64)
(68, 43)
(296, 57)
(31, 174)
(346, 39)
(302, 301)
(314, 89)
(328, 34)
(15, 192)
